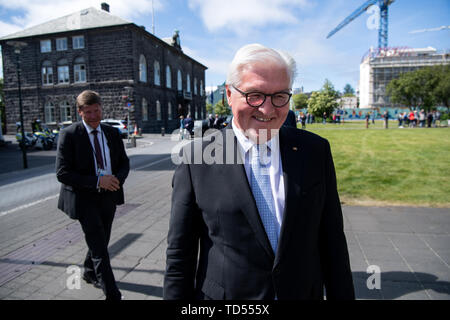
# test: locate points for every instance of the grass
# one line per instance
(374, 166)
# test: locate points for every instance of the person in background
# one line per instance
(92, 166)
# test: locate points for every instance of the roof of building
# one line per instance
(84, 19)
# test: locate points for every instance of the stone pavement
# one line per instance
(410, 246)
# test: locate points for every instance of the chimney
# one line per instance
(105, 6)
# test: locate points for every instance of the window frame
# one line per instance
(46, 41)
(76, 42)
(59, 41)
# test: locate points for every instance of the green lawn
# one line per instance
(390, 167)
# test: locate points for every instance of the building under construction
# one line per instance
(379, 66)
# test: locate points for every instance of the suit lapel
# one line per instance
(292, 159)
(86, 145)
(235, 174)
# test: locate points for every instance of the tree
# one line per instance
(209, 108)
(300, 101)
(422, 88)
(442, 90)
(349, 91)
(323, 100)
(221, 109)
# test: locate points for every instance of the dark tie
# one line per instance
(98, 151)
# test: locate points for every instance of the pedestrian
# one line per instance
(237, 230)
(303, 121)
(422, 118)
(429, 119)
(189, 125)
(210, 121)
(367, 120)
(400, 119)
(324, 118)
(433, 122)
(36, 125)
(92, 166)
(182, 130)
(412, 119)
(386, 119)
(218, 122)
(438, 117)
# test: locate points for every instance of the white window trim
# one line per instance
(49, 47)
(58, 40)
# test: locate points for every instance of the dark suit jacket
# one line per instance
(75, 167)
(214, 211)
(291, 120)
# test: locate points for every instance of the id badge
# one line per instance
(102, 172)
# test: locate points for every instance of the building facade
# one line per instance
(136, 73)
(380, 66)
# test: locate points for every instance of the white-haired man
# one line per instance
(268, 225)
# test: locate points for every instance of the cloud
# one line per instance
(38, 11)
(241, 16)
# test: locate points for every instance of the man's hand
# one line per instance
(109, 182)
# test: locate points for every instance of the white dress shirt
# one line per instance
(103, 142)
(275, 169)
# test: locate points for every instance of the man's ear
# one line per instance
(228, 90)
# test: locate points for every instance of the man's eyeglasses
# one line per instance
(256, 99)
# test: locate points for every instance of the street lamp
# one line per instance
(128, 101)
(18, 46)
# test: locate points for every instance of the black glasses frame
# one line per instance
(245, 94)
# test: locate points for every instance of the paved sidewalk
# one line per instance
(410, 246)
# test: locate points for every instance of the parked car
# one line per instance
(121, 125)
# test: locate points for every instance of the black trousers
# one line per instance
(96, 221)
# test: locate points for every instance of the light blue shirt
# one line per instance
(275, 169)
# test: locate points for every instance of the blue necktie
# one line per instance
(260, 184)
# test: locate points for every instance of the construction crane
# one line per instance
(383, 27)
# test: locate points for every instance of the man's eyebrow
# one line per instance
(258, 90)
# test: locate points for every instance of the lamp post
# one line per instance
(18, 45)
(128, 91)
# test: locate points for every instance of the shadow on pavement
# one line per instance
(396, 284)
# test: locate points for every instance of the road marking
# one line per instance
(153, 163)
(4, 213)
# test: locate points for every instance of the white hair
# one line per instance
(257, 53)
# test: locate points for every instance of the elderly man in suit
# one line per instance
(264, 220)
(92, 166)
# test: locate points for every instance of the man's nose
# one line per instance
(267, 107)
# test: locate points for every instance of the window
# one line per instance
(158, 110)
(179, 81)
(196, 112)
(142, 69)
(144, 109)
(61, 44)
(195, 86)
(47, 73)
(63, 71)
(46, 45)
(169, 111)
(49, 112)
(168, 77)
(66, 114)
(188, 83)
(79, 70)
(201, 88)
(157, 73)
(78, 42)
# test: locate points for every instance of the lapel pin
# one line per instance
(294, 148)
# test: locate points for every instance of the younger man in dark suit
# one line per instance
(92, 166)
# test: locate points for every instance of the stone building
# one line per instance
(134, 71)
